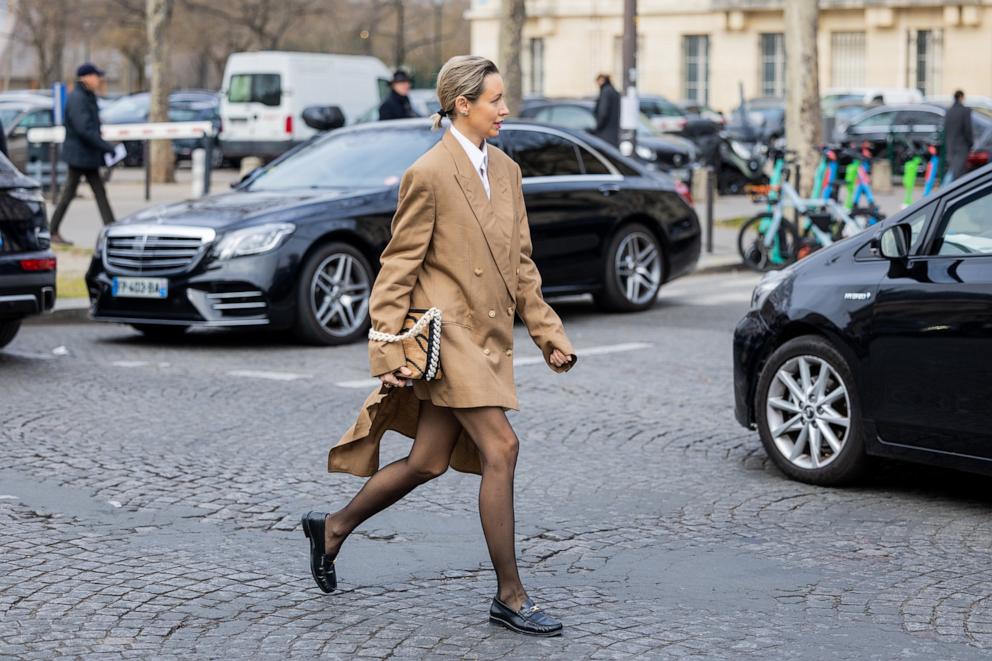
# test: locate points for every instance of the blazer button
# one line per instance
(509, 352)
(509, 309)
(486, 351)
(517, 271)
(478, 271)
(492, 313)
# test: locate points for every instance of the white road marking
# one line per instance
(60, 351)
(7, 496)
(529, 360)
(28, 354)
(129, 363)
(114, 503)
(275, 376)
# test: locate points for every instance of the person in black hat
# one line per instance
(83, 149)
(397, 104)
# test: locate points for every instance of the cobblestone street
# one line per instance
(150, 496)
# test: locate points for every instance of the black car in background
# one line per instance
(297, 243)
(667, 153)
(880, 344)
(184, 106)
(900, 126)
(27, 264)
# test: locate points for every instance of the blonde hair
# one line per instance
(462, 75)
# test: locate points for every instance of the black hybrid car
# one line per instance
(27, 264)
(297, 243)
(880, 344)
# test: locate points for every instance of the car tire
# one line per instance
(346, 298)
(631, 243)
(811, 410)
(159, 332)
(8, 330)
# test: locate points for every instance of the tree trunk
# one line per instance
(804, 122)
(399, 52)
(511, 29)
(157, 14)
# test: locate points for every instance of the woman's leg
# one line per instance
(498, 446)
(437, 432)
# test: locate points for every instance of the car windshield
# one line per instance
(353, 159)
(127, 108)
(7, 117)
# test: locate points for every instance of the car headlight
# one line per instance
(26, 194)
(101, 242)
(253, 240)
(766, 286)
(646, 153)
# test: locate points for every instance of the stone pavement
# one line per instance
(150, 495)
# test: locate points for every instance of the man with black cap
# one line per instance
(397, 104)
(83, 149)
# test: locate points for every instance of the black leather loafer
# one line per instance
(530, 619)
(321, 566)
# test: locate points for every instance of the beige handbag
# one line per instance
(421, 340)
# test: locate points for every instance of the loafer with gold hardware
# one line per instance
(530, 619)
(321, 566)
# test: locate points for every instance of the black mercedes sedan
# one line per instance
(297, 243)
(880, 344)
(27, 264)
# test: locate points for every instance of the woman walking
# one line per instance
(460, 242)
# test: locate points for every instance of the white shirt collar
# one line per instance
(478, 157)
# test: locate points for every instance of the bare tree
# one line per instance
(43, 25)
(803, 127)
(269, 22)
(511, 29)
(158, 15)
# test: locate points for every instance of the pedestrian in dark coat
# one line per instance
(958, 137)
(84, 148)
(607, 111)
(397, 104)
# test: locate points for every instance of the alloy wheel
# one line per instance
(808, 410)
(638, 267)
(339, 294)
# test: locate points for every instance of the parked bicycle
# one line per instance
(770, 241)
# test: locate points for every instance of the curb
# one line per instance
(67, 311)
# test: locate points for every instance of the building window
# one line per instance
(535, 66)
(925, 58)
(696, 68)
(772, 64)
(847, 59)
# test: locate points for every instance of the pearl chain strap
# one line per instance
(416, 328)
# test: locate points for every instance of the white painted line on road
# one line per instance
(275, 376)
(28, 354)
(129, 363)
(359, 383)
(530, 360)
(7, 496)
(114, 503)
(592, 351)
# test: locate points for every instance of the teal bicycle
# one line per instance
(769, 241)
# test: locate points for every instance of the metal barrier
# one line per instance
(55, 135)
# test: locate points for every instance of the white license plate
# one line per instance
(140, 287)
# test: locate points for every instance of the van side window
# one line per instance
(264, 88)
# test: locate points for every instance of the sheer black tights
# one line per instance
(437, 431)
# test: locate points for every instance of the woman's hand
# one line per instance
(397, 378)
(558, 359)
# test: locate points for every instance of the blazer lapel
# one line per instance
(468, 179)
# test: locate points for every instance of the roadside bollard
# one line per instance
(199, 164)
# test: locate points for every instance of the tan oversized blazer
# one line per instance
(469, 255)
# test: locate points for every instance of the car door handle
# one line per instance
(609, 189)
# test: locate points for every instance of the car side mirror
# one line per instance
(323, 118)
(894, 242)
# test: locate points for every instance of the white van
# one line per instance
(265, 92)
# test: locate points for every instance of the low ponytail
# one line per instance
(462, 75)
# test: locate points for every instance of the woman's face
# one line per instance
(485, 114)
